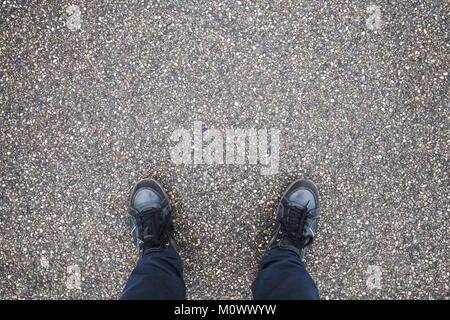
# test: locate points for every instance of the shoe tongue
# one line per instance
(292, 206)
(150, 208)
(295, 220)
(146, 213)
(296, 205)
(152, 221)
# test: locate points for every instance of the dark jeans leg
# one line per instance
(283, 276)
(157, 275)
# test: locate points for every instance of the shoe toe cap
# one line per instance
(303, 197)
(145, 198)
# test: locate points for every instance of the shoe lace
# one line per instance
(293, 223)
(155, 228)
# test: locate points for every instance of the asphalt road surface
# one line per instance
(92, 91)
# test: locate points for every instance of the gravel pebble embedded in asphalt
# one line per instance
(91, 94)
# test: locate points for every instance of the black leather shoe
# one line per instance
(150, 217)
(297, 216)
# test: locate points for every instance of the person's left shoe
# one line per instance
(150, 217)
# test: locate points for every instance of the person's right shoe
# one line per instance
(297, 216)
